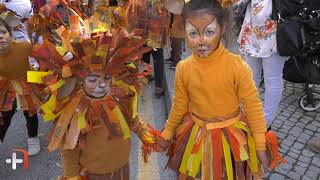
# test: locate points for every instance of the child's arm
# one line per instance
(71, 162)
(180, 103)
(249, 97)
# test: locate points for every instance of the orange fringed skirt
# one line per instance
(216, 150)
(21, 91)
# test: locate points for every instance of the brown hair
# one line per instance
(214, 8)
(5, 24)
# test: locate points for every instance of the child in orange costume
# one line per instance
(213, 138)
(15, 92)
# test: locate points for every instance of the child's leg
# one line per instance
(256, 66)
(6, 118)
(32, 124)
(272, 70)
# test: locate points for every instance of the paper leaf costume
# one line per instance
(152, 17)
(76, 112)
(15, 92)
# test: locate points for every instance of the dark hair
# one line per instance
(214, 8)
(5, 24)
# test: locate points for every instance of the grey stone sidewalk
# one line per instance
(293, 126)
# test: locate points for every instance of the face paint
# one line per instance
(97, 85)
(203, 34)
(4, 38)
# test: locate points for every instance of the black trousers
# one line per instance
(32, 122)
(158, 63)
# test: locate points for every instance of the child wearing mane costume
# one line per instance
(212, 137)
(93, 81)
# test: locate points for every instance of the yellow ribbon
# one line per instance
(57, 85)
(49, 107)
(253, 162)
(81, 120)
(227, 157)
(191, 162)
(62, 51)
(36, 76)
(123, 123)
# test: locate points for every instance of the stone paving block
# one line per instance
(286, 114)
(282, 118)
(312, 173)
(307, 178)
(306, 131)
(294, 175)
(304, 136)
(307, 153)
(311, 114)
(316, 161)
(297, 151)
(291, 138)
(287, 142)
(277, 177)
(293, 119)
(297, 114)
(300, 125)
(301, 140)
(302, 164)
(274, 124)
(316, 123)
(317, 135)
(311, 127)
(283, 151)
(281, 135)
(290, 160)
(293, 155)
(300, 170)
(284, 146)
(304, 159)
(295, 131)
(289, 123)
(284, 169)
(286, 127)
(298, 145)
(314, 168)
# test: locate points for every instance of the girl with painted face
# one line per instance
(213, 139)
(15, 92)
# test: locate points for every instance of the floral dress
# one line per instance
(258, 34)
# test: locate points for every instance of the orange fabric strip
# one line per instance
(217, 154)
(215, 125)
(235, 148)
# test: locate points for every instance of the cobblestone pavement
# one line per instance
(294, 128)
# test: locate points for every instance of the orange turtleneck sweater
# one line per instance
(214, 87)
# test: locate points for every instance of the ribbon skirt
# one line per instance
(215, 153)
(20, 91)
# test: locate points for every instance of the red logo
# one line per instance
(14, 160)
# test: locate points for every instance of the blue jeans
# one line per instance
(272, 68)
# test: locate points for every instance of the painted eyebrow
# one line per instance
(194, 27)
(208, 25)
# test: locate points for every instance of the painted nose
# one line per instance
(102, 85)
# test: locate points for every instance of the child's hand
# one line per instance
(263, 160)
(161, 144)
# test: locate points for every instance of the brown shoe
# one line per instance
(314, 144)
